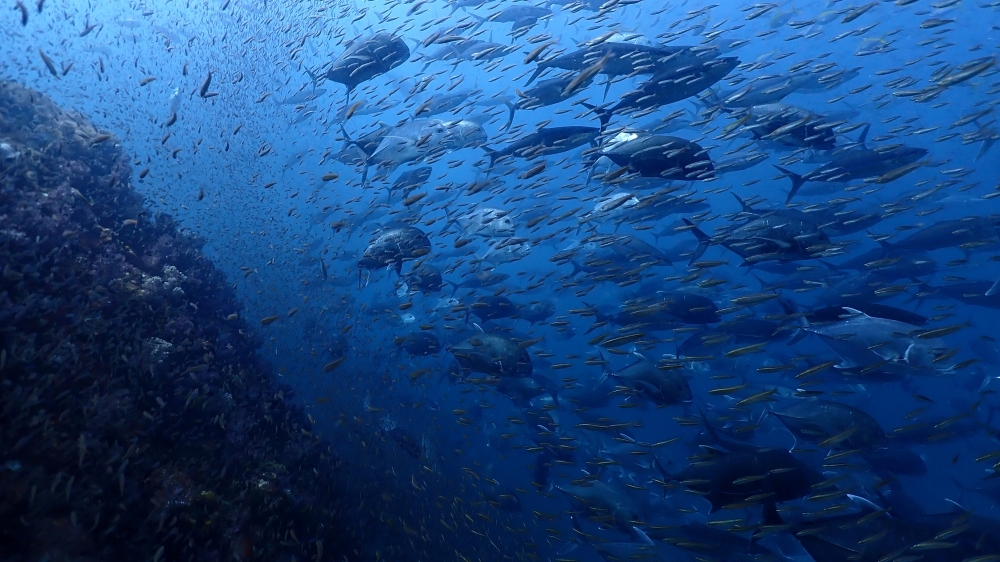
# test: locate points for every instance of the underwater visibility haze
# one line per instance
(563, 280)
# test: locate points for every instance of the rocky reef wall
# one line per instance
(136, 421)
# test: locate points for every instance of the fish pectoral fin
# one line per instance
(780, 243)
(647, 387)
(604, 376)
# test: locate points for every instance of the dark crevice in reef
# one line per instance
(136, 421)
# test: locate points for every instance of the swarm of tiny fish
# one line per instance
(688, 281)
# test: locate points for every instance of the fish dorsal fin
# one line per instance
(863, 136)
(480, 328)
(643, 537)
(864, 503)
(956, 504)
(995, 289)
(743, 204)
(714, 449)
(853, 311)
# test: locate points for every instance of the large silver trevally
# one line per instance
(870, 343)
(488, 222)
(418, 139)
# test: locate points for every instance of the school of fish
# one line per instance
(578, 280)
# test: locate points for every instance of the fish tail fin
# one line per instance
(802, 331)
(492, 154)
(449, 219)
(605, 373)
(704, 241)
(591, 161)
(312, 77)
(607, 88)
(602, 113)
(797, 182)
(710, 101)
(347, 99)
(347, 137)
(709, 428)
(480, 20)
(667, 477)
(510, 120)
(364, 175)
(771, 516)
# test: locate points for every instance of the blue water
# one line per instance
(245, 172)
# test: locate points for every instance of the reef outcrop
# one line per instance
(136, 421)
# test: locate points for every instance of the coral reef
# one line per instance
(136, 421)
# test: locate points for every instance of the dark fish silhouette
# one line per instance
(832, 424)
(551, 140)
(408, 180)
(750, 476)
(663, 387)
(766, 238)
(674, 84)
(662, 157)
(367, 58)
(859, 163)
(424, 278)
(419, 343)
(493, 355)
(392, 247)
